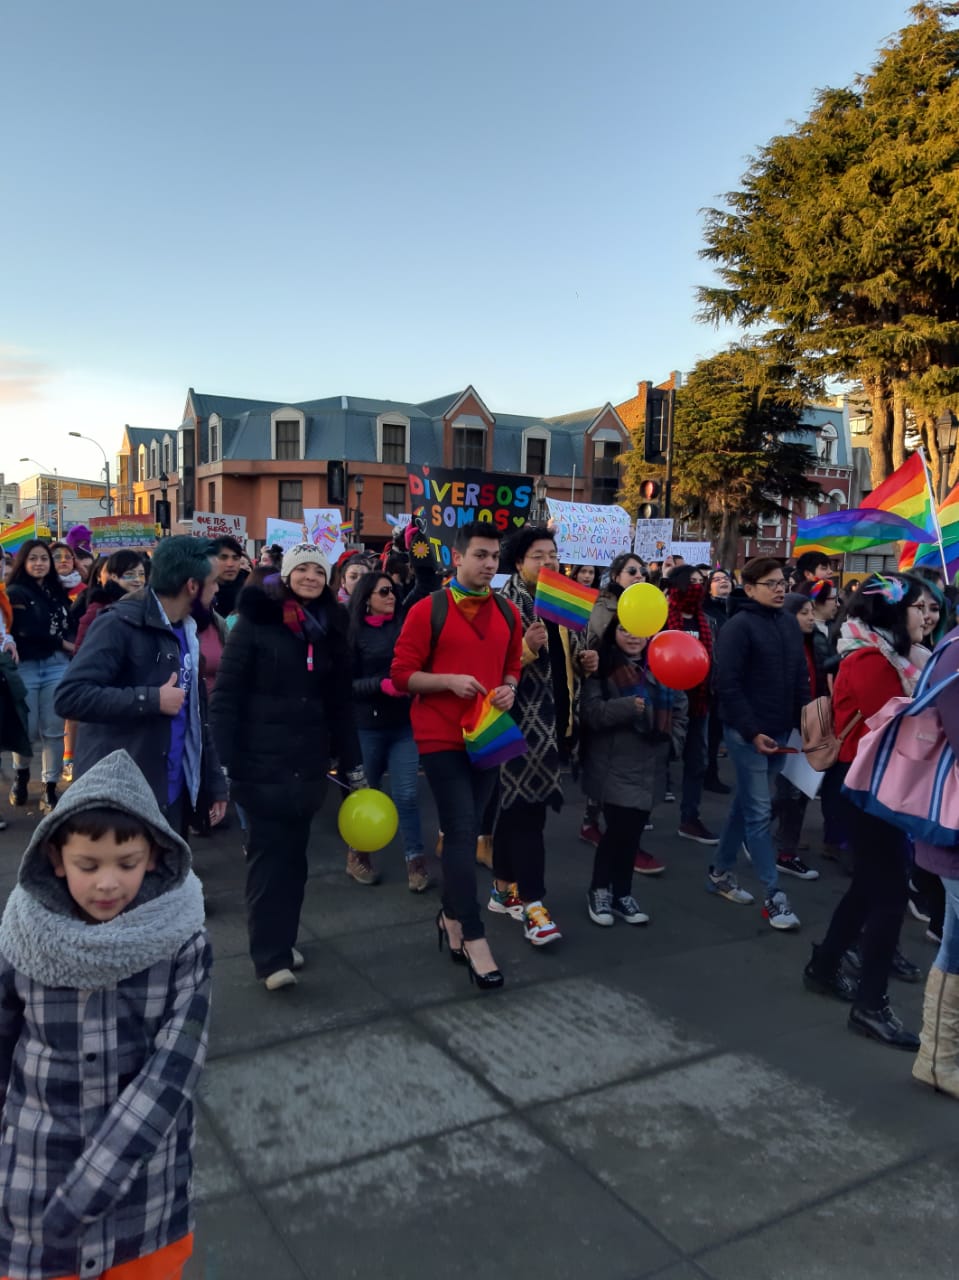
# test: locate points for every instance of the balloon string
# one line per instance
(331, 777)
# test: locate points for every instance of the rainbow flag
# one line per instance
(491, 737)
(856, 530)
(560, 599)
(12, 539)
(906, 493)
(346, 527)
(915, 557)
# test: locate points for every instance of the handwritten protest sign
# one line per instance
(211, 524)
(444, 500)
(122, 533)
(587, 532)
(323, 530)
(653, 539)
(284, 533)
(693, 552)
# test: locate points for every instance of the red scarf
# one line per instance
(691, 601)
(294, 617)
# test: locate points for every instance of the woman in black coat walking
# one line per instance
(280, 710)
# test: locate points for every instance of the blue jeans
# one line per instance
(750, 814)
(694, 768)
(393, 751)
(948, 958)
(41, 677)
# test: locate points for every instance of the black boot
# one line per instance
(18, 792)
(882, 1024)
(904, 969)
(713, 783)
(836, 984)
(48, 801)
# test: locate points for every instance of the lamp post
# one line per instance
(77, 435)
(947, 431)
(540, 489)
(56, 478)
(359, 484)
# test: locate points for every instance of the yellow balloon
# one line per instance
(368, 820)
(642, 609)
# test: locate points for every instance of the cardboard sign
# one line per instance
(284, 533)
(323, 530)
(122, 533)
(588, 532)
(444, 500)
(653, 539)
(210, 524)
(693, 552)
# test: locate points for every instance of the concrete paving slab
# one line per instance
(464, 1204)
(313, 1102)
(682, 1271)
(905, 1223)
(215, 1173)
(336, 905)
(557, 1038)
(328, 994)
(234, 1240)
(713, 1148)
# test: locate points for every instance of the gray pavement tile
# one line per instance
(320, 1100)
(234, 1240)
(905, 1223)
(554, 1039)
(713, 1148)
(462, 1205)
(336, 905)
(328, 994)
(684, 1271)
(214, 1173)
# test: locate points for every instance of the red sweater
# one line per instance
(482, 648)
(865, 682)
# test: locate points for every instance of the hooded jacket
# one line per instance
(103, 1032)
(761, 676)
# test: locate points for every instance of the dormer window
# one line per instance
(826, 445)
(141, 464)
(154, 461)
(535, 460)
(469, 443)
(287, 435)
(392, 438)
(167, 455)
(214, 437)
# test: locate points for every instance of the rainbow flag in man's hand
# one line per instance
(560, 599)
(12, 539)
(491, 737)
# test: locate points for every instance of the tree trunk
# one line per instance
(727, 544)
(898, 423)
(880, 442)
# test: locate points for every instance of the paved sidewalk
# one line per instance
(663, 1101)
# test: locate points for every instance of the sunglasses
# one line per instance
(632, 571)
(384, 591)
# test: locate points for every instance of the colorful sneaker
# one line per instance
(506, 902)
(647, 865)
(66, 773)
(695, 830)
(540, 928)
(590, 833)
(779, 913)
(724, 883)
(599, 903)
(628, 909)
(794, 866)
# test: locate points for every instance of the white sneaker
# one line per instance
(282, 978)
(298, 961)
(779, 913)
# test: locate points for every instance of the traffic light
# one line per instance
(335, 484)
(357, 522)
(649, 492)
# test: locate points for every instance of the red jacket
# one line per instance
(865, 682)
(482, 648)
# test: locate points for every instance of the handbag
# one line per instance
(820, 744)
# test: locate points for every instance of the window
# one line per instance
(826, 445)
(141, 465)
(287, 441)
(469, 447)
(394, 499)
(291, 496)
(392, 438)
(211, 495)
(154, 461)
(606, 470)
(535, 464)
(214, 442)
(167, 454)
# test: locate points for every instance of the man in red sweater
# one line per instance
(478, 650)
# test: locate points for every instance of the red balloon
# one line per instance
(678, 660)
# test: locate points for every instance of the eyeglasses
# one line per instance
(773, 584)
(384, 591)
(138, 576)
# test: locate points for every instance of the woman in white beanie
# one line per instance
(280, 710)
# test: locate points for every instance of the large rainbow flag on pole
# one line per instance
(855, 530)
(908, 493)
(916, 557)
(560, 599)
(13, 538)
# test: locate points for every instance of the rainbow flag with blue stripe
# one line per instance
(559, 599)
(13, 538)
(491, 737)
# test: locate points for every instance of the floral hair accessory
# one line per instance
(816, 588)
(892, 590)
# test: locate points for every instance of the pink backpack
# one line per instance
(905, 771)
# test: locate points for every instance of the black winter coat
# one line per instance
(276, 723)
(761, 675)
(41, 620)
(372, 653)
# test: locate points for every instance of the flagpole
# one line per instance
(935, 513)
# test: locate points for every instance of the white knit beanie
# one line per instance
(303, 553)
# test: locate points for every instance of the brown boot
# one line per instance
(937, 1062)
(484, 851)
(358, 866)
(417, 874)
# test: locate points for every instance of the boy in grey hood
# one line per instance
(104, 1005)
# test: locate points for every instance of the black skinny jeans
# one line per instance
(276, 871)
(872, 906)
(461, 794)
(519, 851)
(613, 862)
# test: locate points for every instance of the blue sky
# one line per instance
(376, 197)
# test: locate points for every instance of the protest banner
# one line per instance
(653, 539)
(122, 533)
(323, 530)
(444, 500)
(211, 524)
(693, 552)
(588, 532)
(284, 533)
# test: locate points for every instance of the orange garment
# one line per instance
(6, 608)
(166, 1264)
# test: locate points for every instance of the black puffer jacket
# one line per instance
(761, 675)
(372, 652)
(41, 619)
(276, 723)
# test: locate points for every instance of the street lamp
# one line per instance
(56, 475)
(540, 489)
(359, 484)
(106, 467)
(947, 431)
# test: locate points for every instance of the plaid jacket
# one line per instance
(96, 1091)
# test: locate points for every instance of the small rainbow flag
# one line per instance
(346, 527)
(560, 599)
(491, 737)
(12, 539)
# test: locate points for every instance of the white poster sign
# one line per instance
(799, 771)
(693, 552)
(653, 539)
(210, 524)
(587, 532)
(284, 533)
(324, 531)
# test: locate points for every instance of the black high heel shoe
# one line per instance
(457, 954)
(491, 981)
